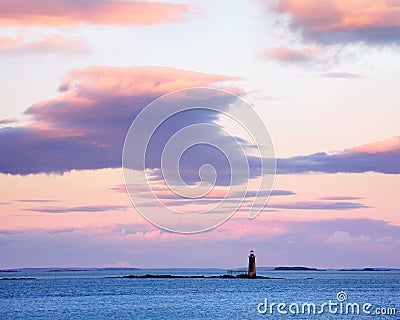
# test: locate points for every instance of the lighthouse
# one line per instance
(252, 265)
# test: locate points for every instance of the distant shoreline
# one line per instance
(169, 276)
(262, 269)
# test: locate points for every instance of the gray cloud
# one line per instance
(341, 75)
(340, 198)
(272, 193)
(318, 205)
(345, 162)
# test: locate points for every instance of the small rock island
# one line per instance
(232, 274)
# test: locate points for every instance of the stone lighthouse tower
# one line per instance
(252, 265)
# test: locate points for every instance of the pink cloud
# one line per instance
(287, 55)
(345, 238)
(334, 21)
(49, 44)
(323, 243)
(8, 120)
(103, 80)
(85, 126)
(102, 94)
(387, 145)
(381, 156)
(64, 12)
(119, 264)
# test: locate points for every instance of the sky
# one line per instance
(322, 76)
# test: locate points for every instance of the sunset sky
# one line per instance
(323, 75)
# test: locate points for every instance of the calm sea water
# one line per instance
(90, 295)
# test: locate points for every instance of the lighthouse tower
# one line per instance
(252, 265)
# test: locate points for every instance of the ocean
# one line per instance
(299, 295)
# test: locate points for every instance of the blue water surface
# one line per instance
(91, 295)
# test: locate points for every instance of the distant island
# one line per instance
(367, 269)
(297, 269)
(169, 276)
(67, 270)
(17, 278)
